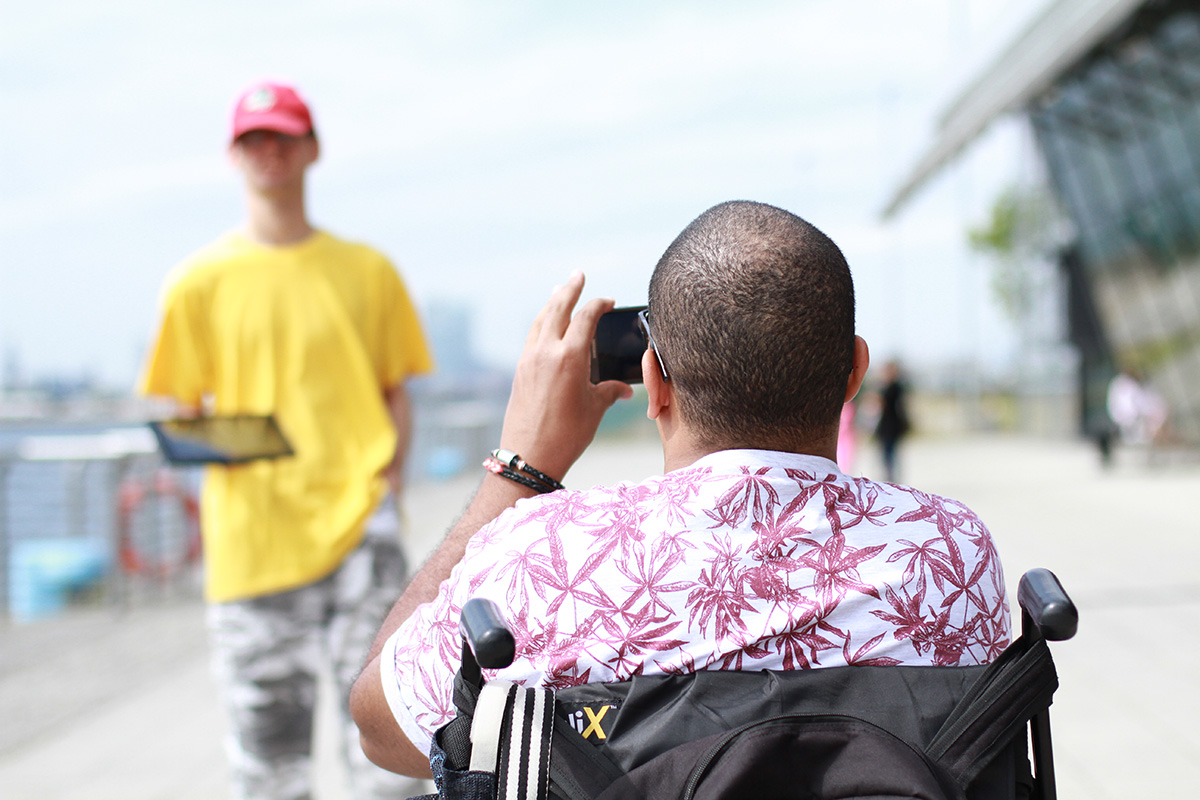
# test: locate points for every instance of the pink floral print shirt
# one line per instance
(745, 560)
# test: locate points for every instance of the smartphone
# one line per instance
(618, 346)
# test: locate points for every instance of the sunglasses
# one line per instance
(644, 320)
(258, 137)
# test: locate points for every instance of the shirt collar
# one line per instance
(726, 460)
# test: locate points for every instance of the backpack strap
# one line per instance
(487, 725)
(511, 734)
(1014, 687)
(524, 772)
(454, 738)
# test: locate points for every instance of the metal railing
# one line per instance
(92, 513)
(99, 512)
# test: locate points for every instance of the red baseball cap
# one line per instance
(269, 106)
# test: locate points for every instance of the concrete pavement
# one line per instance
(96, 706)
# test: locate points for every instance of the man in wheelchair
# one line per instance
(752, 551)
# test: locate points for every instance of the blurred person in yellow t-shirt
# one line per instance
(302, 553)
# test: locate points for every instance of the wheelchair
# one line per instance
(837, 732)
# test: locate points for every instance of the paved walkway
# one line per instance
(96, 706)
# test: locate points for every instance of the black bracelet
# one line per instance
(515, 462)
(497, 467)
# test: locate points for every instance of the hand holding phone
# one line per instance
(553, 410)
(618, 346)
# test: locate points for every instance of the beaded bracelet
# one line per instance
(515, 462)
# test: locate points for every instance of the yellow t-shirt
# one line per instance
(312, 333)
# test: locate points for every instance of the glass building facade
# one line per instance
(1120, 134)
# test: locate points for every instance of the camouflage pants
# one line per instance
(268, 653)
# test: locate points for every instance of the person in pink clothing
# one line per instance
(847, 447)
(752, 551)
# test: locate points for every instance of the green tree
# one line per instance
(1020, 235)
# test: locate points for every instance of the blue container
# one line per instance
(42, 573)
(445, 462)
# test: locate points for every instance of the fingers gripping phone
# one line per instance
(618, 346)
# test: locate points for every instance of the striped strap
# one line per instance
(523, 772)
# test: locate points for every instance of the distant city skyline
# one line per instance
(489, 151)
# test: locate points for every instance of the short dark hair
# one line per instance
(753, 310)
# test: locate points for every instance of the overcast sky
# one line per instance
(490, 148)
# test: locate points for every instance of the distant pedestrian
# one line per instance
(894, 422)
(282, 318)
(1138, 410)
(847, 445)
(1140, 413)
(1103, 431)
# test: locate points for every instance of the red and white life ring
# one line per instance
(132, 496)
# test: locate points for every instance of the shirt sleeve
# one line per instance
(418, 668)
(391, 690)
(402, 349)
(419, 661)
(179, 363)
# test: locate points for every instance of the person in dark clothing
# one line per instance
(893, 422)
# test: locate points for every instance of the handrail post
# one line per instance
(118, 581)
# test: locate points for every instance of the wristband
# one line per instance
(515, 462)
(497, 467)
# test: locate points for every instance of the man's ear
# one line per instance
(858, 372)
(658, 391)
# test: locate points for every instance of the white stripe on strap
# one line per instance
(509, 783)
(524, 771)
(539, 745)
(485, 727)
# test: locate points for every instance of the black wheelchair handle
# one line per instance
(1045, 604)
(486, 633)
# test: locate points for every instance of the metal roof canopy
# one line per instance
(1050, 45)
